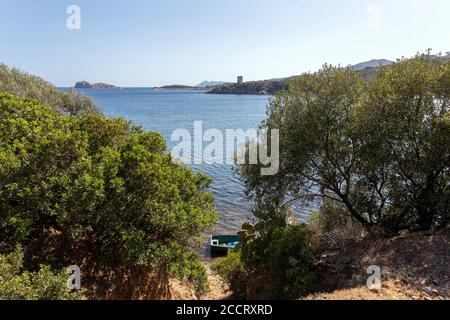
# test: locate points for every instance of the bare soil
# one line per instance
(413, 267)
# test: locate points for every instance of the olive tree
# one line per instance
(405, 142)
(318, 145)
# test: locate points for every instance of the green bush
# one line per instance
(278, 264)
(232, 270)
(332, 226)
(188, 266)
(16, 284)
(96, 192)
(28, 86)
(286, 255)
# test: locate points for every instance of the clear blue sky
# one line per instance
(157, 42)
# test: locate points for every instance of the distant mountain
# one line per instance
(87, 85)
(439, 57)
(211, 84)
(372, 64)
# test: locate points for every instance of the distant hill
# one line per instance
(87, 85)
(177, 87)
(372, 64)
(367, 70)
(210, 84)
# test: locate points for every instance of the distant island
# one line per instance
(87, 85)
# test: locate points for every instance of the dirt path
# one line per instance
(218, 289)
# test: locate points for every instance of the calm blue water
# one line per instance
(166, 111)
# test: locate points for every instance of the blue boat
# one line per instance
(220, 244)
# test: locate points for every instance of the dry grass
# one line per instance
(414, 267)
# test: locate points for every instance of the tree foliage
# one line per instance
(379, 149)
(404, 142)
(16, 284)
(96, 192)
(274, 264)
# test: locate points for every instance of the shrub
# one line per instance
(275, 265)
(334, 227)
(286, 255)
(28, 86)
(232, 270)
(96, 192)
(187, 265)
(16, 284)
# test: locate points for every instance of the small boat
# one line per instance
(220, 244)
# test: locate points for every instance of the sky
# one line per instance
(160, 42)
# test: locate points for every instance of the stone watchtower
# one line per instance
(240, 80)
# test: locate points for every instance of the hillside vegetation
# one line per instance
(29, 86)
(264, 87)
